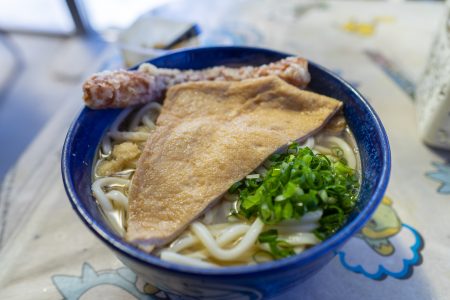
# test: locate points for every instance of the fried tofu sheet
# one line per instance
(210, 135)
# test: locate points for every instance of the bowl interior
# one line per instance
(83, 139)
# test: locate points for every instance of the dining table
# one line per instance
(380, 47)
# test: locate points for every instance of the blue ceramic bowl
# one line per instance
(250, 282)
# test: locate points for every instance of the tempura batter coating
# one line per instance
(118, 89)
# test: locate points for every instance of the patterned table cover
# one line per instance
(381, 48)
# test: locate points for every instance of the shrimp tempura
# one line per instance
(118, 89)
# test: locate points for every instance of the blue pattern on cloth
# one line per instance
(442, 175)
(73, 287)
(399, 266)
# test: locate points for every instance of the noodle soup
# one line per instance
(223, 236)
(182, 281)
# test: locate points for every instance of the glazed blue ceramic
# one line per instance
(249, 282)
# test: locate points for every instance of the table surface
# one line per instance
(381, 48)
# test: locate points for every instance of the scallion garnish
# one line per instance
(296, 182)
(278, 248)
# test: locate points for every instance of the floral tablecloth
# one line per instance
(381, 48)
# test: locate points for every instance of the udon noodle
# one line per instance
(218, 238)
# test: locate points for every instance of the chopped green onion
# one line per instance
(268, 236)
(253, 176)
(276, 172)
(337, 151)
(278, 248)
(296, 182)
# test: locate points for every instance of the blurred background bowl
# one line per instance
(250, 282)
